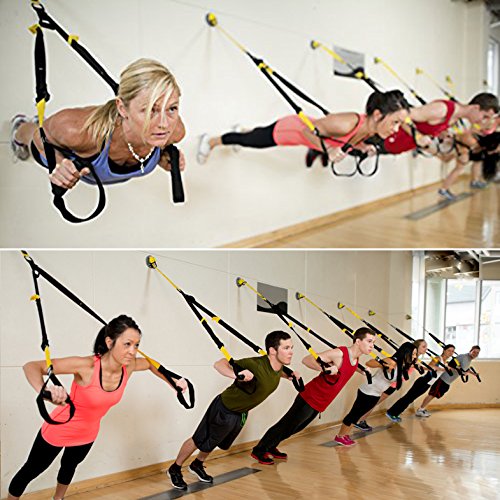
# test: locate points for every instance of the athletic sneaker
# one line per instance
(176, 478)
(447, 194)
(393, 418)
(198, 469)
(344, 440)
(478, 184)
(363, 426)
(20, 151)
(275, 453)
(262, 458)
(421, 412)
(203, 149)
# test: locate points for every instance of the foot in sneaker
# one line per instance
(262, 458)
(175, 475)
(393, 418)
(198, 469)
(344, 440)
(311, 155)
(275, 453)
(478, 184)
(20, 151)
(203, 149)
(447, 194)
(422, 412)
(363, 426)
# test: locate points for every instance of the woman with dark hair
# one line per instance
(385, 112)
(369, 394)
(98, 384)
(421, 346)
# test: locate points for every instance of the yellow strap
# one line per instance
(356, 315)
(226, 354)
(262, 352)
(306, 120)
(40, 106)
(386, 354)
(359, 74)
(47, 357)
(216, 319)
(391, 71)
(313, 354)
(150, 360)
(168, 279)
(35, 297)
(332, 53)
(73, 38)
(34, 28)
(202, 319)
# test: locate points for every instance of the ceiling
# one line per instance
(461, 264)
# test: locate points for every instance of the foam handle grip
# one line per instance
(175, 172)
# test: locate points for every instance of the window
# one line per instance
(492, 66)
(489, 320)
(464, 313)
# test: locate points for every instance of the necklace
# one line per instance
(137, 157)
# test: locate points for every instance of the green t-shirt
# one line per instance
(243, 396)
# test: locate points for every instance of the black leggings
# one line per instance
(363, 404)
(298, 417)
(42, 454)
(417, 389)
(260, 137)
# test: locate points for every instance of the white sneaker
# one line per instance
(421, 412)
(203, 149)
(236, 129)
(20, 151)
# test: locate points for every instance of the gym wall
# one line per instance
(235, 195)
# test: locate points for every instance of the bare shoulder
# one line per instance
(435, 111)
(73, 364)
(66, 128)
(339, 124)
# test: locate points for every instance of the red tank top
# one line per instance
(288, 131)
(318, 394)
(91, 402)
(401, 141)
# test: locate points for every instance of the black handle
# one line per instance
(175, 172)
(46, 395)
(298, 383)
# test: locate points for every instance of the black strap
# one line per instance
(195, 305)
(50, 154)
(42, 93)
(172, 377)
(37, 272)
(175, 172)
(46, 395)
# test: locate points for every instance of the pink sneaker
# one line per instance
(344, 440)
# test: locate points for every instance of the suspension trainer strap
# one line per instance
(342, 326)
(45, 394)
(42, 96)
(46, 21)
(38, 271)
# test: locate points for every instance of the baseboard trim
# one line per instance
(330, 219)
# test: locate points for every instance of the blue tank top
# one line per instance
(103, 171)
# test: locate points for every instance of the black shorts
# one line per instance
(218, 427)
(439, 388)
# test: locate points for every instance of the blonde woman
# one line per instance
(123, 138)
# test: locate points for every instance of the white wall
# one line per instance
(235, 195)
(149, 425)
